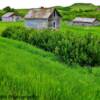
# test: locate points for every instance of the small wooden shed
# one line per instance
(10, 17)
(85, 21)
(42, 18)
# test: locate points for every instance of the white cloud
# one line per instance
(39, 3)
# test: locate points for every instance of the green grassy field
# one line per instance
(28, 71)
(79, 30)
(64, 27)
(79, 10)
(67, 13)
(4, 25)
(82, 6)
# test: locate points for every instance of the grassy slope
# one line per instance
(82, 6)
(22, 12)
(68, 13)
(79, 9)
(64, 27)
(80, 29)
(26, 70)
(4, 25)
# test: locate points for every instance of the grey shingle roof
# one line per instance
(8, 14)
(39, 13)
(85, 20)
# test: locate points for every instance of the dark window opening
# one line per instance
(54, 14)
(54, 24)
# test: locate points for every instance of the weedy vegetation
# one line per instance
(71, 47)
(62, 64)
(31, 73)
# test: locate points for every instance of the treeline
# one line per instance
(71, 48)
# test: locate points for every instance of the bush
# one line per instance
(17, 32)
(45, 39)
(83, 50)
(73, 48)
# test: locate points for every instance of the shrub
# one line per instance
(72, 48)
(45, 39)
(84, 50)
(17, 32)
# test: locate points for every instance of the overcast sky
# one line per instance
(45, 3)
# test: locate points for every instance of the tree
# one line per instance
(8, 9)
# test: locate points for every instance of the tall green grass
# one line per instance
(28, 71)
(79, 30)
(4, 25)
(72, 47)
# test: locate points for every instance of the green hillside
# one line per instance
(82, 6)
(68, 12)
(22, 12)
(30, 72)
(79, 10)
(4, 25)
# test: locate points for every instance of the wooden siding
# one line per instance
(54, 18)
(40, 23)
(96, 23)
(11, 19)
(37, 23)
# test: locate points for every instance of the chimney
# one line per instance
(42, 7)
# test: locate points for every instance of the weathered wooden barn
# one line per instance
(98, 9)
(85, 21)
(42, 18)
(10, 17)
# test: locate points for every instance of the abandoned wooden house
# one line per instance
(42, 18)
(85, 21)
(10, 17)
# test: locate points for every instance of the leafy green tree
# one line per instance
(8, 9)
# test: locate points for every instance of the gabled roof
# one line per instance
(8, 14)
(85, 20)
(40, 13)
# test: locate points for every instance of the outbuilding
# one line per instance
(10, 17)
(42, 18)
(85, 21)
